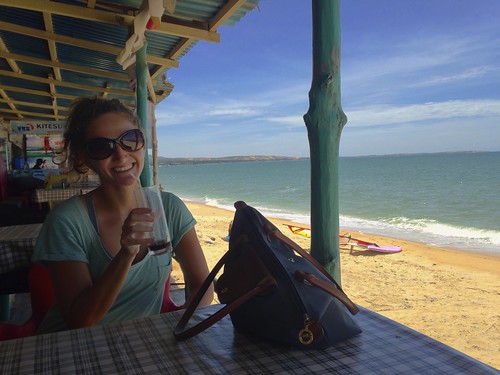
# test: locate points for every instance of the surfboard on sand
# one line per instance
(348, 242)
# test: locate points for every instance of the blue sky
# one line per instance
(416, 76)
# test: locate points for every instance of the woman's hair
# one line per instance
(83, 112)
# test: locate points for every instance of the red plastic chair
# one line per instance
(42, 298)
(167, 304)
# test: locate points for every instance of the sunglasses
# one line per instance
(102, 148)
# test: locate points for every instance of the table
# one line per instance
(17, 243)
(50, 195)
(147, 346)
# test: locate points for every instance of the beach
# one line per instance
(450, 295)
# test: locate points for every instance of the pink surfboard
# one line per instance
(384, 249)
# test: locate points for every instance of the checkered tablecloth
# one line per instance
(47, 195)
(147, 346)
(17, 243)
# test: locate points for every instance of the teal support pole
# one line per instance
(141, 70)
(4, 307)
(324, 121)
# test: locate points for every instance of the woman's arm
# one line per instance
(84, 302)
(194, 266)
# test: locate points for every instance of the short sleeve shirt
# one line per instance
(68, 235)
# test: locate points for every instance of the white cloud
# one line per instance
(233, 111)
(294, 121)
(468, 74)
(392, 114)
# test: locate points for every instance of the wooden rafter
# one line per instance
(227, 11)
(50, 81)
(70, 67)
(89, 14)
(44, 64)
(101, 47)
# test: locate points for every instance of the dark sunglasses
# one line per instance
(102, 148)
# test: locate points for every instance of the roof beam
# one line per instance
(70, 67)
(32, 114)
(50, 81)
(226, 12)
(104, 93)
(53, 92)
(119, 19)
(35, 92)
(9, 102)
(34, 105)
(13, 65)
(47, 19)
(101, 47)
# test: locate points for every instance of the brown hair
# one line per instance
(83, 112)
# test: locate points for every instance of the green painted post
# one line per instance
(141, 73)
(324, 121)
(4, 307)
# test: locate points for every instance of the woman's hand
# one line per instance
(84, 302)
(137, 230)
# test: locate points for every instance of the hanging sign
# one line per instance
(37, 127)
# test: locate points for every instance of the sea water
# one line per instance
(445, 199)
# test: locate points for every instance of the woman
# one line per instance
(96, 245)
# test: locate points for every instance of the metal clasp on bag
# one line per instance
(305, 334)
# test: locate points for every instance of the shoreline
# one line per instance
(298, 219)
(450, 295)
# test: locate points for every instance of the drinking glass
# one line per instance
(150, 197)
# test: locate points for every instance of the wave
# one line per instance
(430, 232)
(425, 231)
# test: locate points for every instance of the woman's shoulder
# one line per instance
(66, 209)
(70, 204)
(171, 199)
(175, 206)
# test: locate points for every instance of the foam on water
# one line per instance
(424, 231)
(430, 232)
(448, 200)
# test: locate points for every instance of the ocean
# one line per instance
(445, 199)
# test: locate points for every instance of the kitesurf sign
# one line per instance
(37, 127)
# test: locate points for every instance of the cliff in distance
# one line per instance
(226, 159)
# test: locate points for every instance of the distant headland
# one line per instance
(226, 159)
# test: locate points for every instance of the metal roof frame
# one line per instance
(53, 51)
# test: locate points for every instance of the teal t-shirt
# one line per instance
(68, 234)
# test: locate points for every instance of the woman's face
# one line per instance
(121, 167)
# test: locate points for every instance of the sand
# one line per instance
(452, 296)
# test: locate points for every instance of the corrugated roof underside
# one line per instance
(83, 69)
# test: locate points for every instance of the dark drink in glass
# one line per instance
(160, 247)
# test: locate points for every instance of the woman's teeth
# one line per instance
(123, 169)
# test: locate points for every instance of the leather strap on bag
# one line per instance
(181, 333)
(329, 288)
(301, 275)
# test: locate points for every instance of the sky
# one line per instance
(416, 77)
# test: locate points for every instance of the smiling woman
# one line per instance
(103, 148)
(96, 245)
